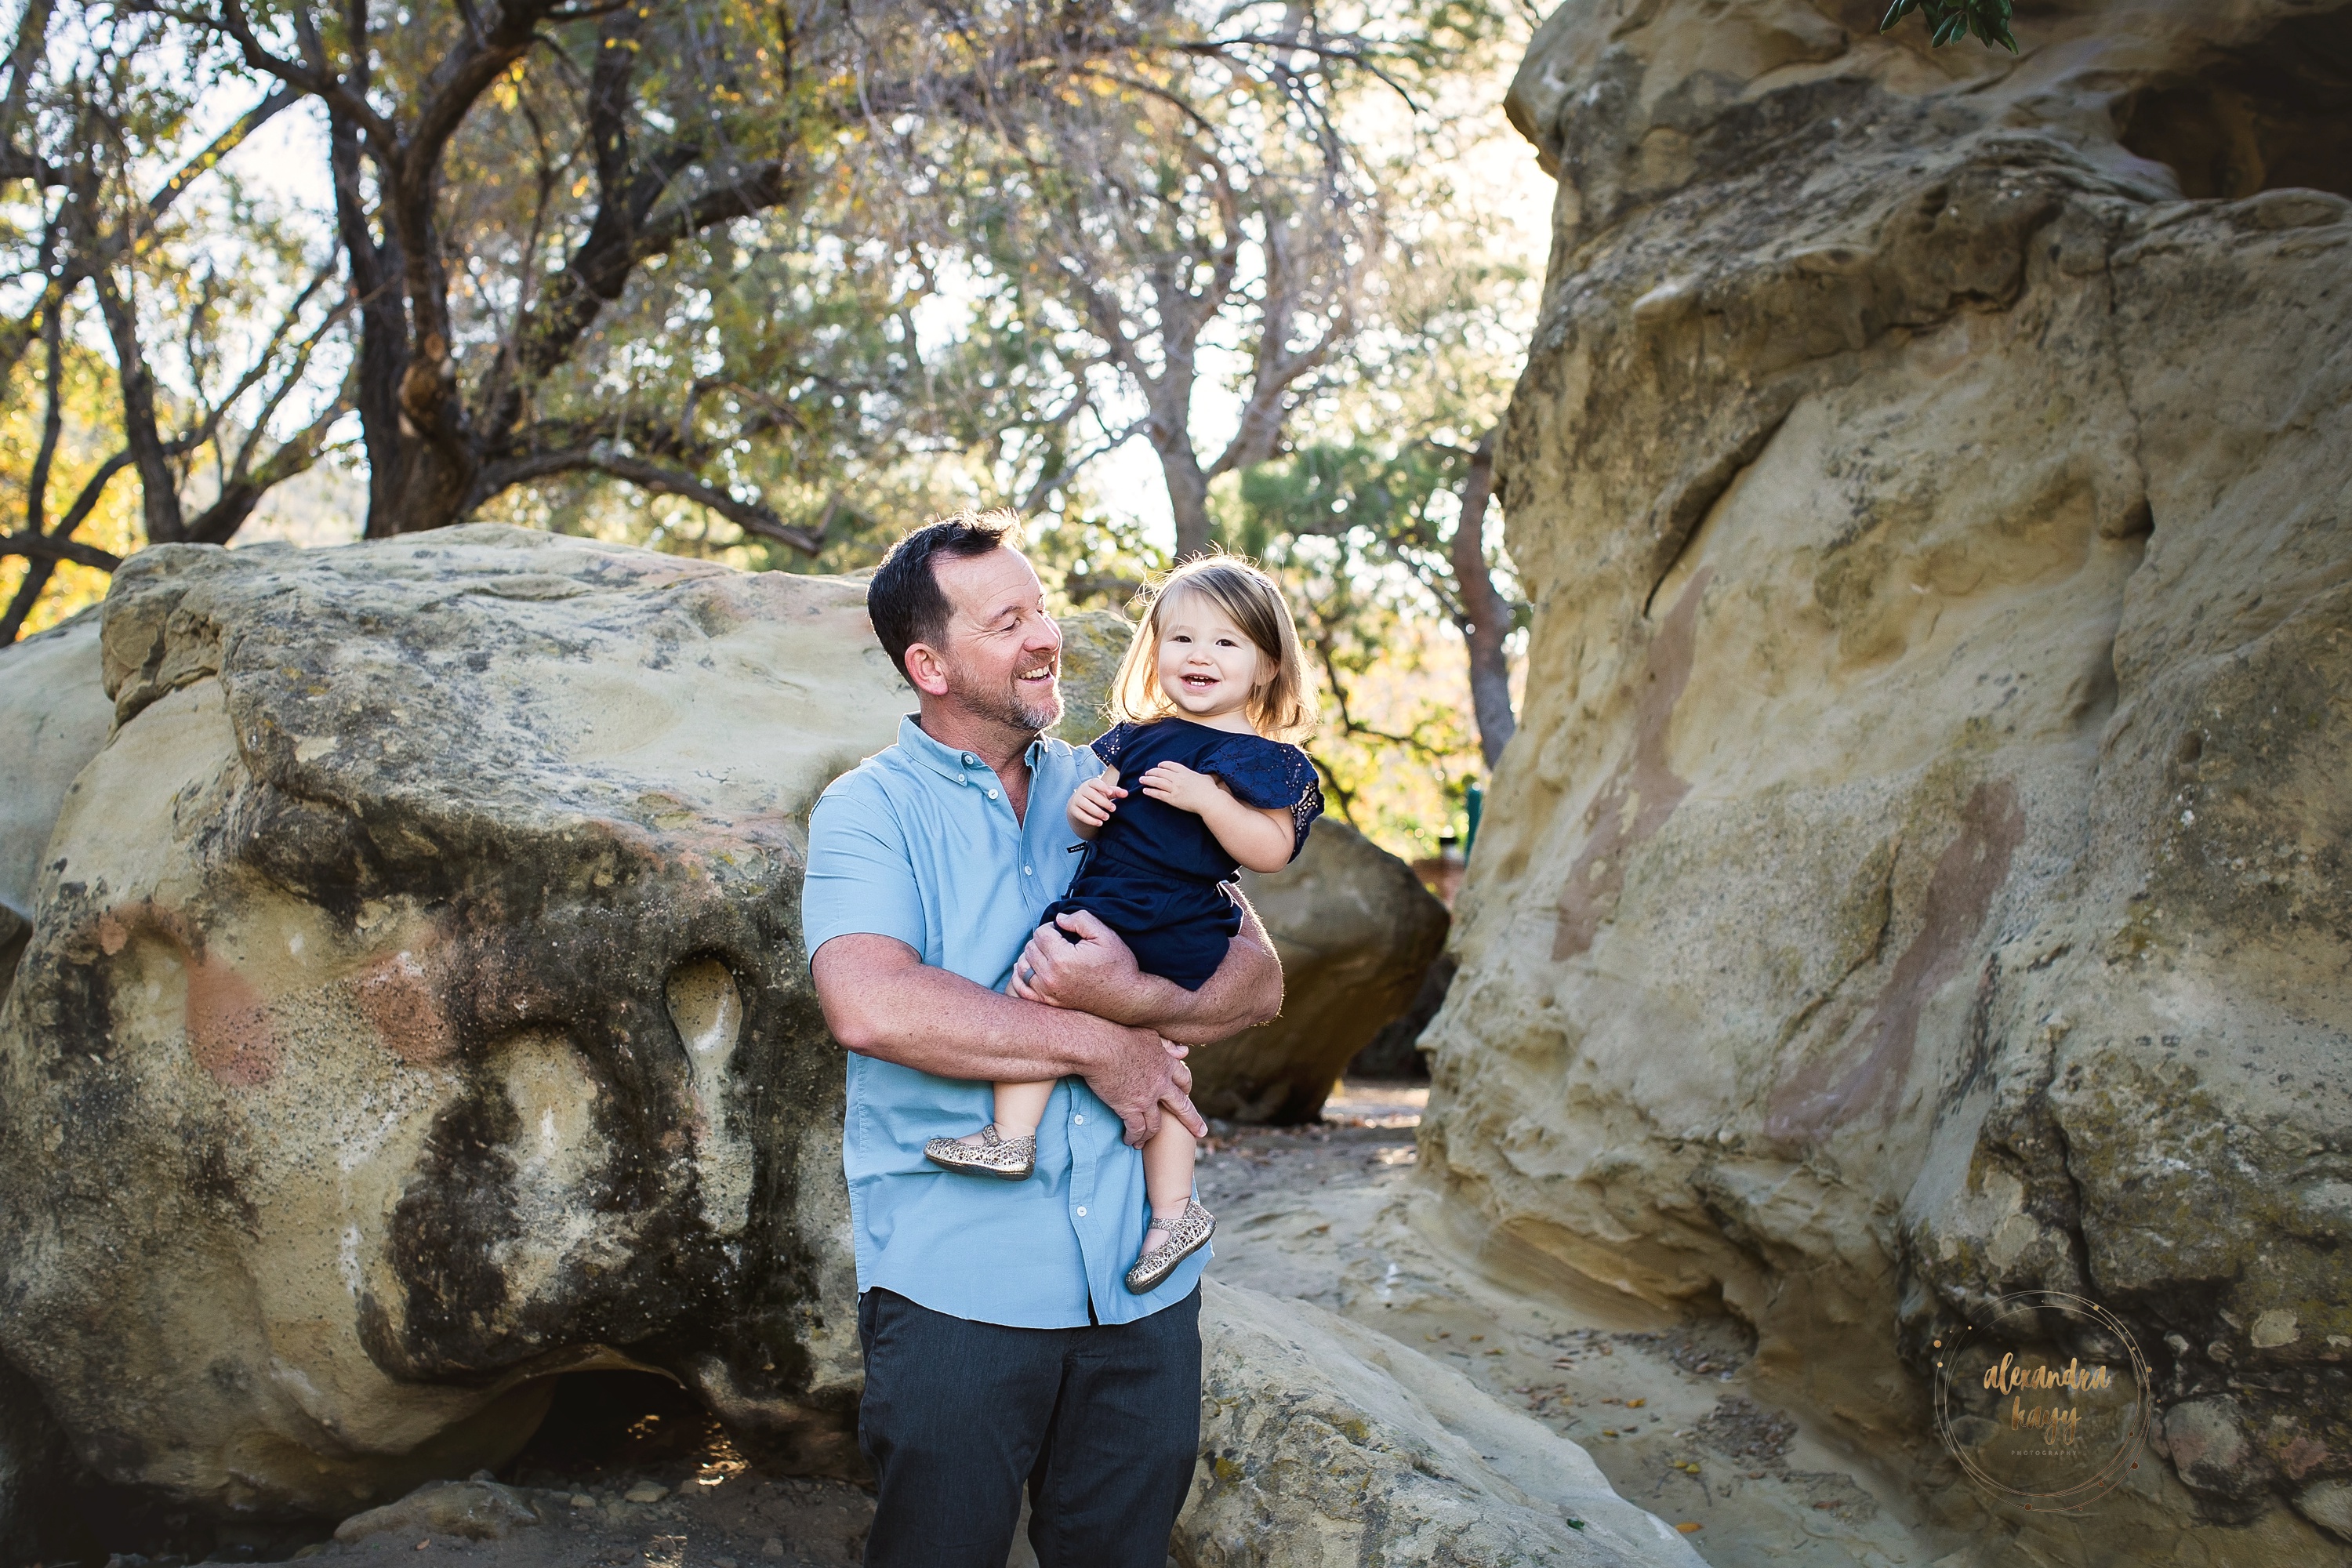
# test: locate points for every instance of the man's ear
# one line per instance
(927, 671)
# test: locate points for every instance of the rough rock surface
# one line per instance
(1093, 642)
(37, 1522)
(1920, 873)
(478, 1509)
(1395, 1051)
(1324, 1445)
(55, 715)
(414, 1008)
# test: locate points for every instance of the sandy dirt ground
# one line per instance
(628, 1473)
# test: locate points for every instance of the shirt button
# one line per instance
(992, 795)
(970, 761)
(1025, 870)
(1080, 1118)
(1082, 1211)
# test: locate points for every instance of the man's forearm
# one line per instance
(938, 1021)
(881, 999)
(1246, 989)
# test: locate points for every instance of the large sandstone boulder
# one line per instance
(1093, 642)
(1920, 873)
(414, 1008)
(1324, 1443)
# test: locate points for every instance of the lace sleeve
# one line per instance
(1271, 775)
(1112, 742)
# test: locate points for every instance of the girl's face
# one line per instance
(1208, 666)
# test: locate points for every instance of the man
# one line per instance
(1001, 1344)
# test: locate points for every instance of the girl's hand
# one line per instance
(1182, 788)
(1093, 802)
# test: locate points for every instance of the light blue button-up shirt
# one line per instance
(918, 842)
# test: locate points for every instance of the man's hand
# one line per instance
(1096, 973)
(1092, 802)
(1145, 1075)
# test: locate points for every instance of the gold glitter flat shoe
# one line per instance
(1006, 1159)
(1185, 1236)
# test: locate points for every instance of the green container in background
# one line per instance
(1473, 800)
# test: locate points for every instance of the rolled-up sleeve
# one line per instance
(861, 877)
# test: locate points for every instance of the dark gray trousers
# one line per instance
(1102, 1423)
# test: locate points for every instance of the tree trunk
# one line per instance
(159, 486)
(1188, 497)
(383, 327)
(1486, 620)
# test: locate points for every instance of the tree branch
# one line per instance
(764, 185)
(296, 455)
(36, 485)
(43, 551)
(336, 93)
(461, 79)
(749, 516)
(159, 491)
(91, 491)
(222, 145)
(32, 43)
(1485, 619)
(47, 547)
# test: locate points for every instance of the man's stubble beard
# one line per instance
(1003, 705)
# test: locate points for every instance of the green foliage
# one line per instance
(1949, 21)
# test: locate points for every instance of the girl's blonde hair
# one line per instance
(1282, 709)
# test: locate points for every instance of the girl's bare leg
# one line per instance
(1168, 1169)
(1019, 1108)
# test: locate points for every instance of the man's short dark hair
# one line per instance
(904, 600)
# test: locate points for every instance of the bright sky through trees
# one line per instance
(771, 284)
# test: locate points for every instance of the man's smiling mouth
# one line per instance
(1042, 672)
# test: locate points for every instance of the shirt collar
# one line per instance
(948, 762)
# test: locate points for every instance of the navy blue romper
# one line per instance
(1151, 873)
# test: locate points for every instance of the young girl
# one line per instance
(1210, 691)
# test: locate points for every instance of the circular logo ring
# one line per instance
(2078, 1474)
